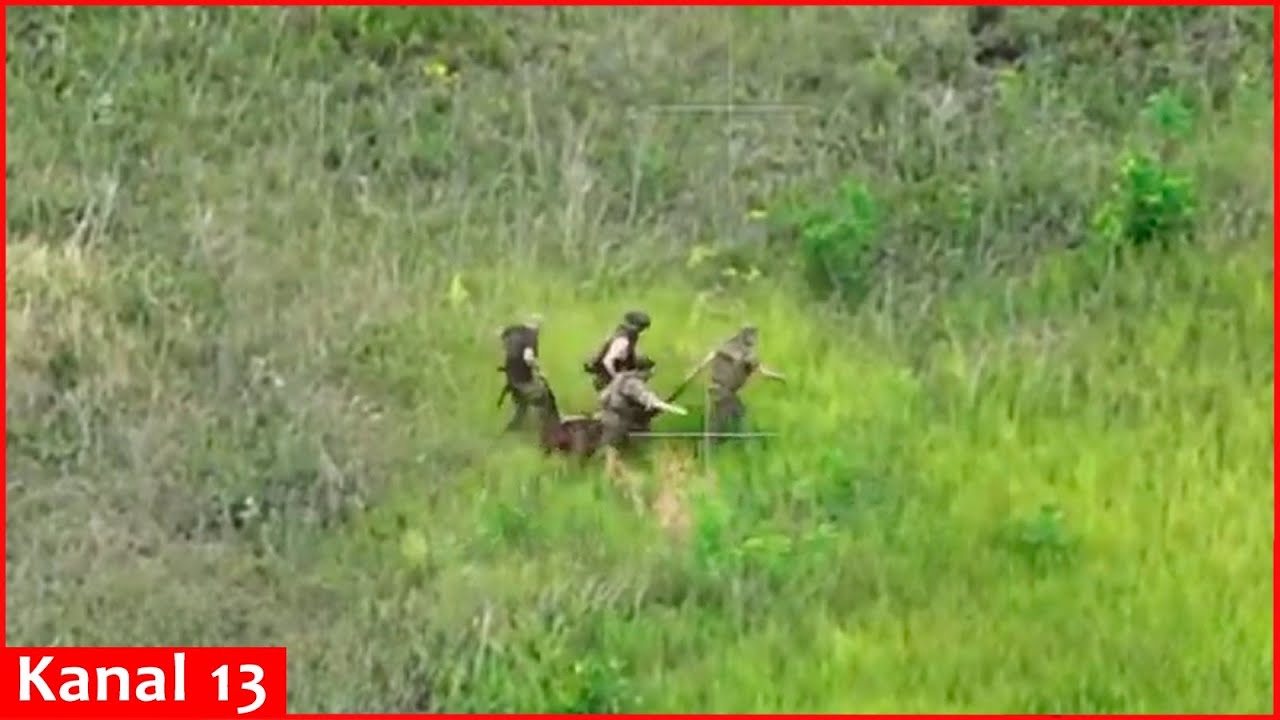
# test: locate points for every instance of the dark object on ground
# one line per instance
(577, 435)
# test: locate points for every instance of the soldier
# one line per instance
(645, 419)
(618, 353)
(524, 381)
(625, 404)
(732, 364)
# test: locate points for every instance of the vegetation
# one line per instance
(1016, 264)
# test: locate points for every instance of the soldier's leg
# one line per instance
(613, 435)
(727, 412)
(531, 395)
(584, 438)
(737, 414)
(718, 415)
(614, 440)
(522, 409)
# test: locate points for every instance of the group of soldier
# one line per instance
(620, 376)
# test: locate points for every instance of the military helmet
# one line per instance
(636, 319)
(747, 334)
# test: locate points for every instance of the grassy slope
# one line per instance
(1038, 487)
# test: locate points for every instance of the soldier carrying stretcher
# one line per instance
(524, 381)
(732, 364)
(626, 405)
(619, 352)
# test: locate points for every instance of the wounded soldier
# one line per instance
(627, 404)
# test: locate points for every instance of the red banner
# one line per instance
(143, 683)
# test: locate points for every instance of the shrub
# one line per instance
(839, 242)
(1151, 201)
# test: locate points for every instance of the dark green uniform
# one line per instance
(732, 366)
(526, 385)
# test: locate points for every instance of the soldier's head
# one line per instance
(637, 321)
(748, 335)
(532, 321)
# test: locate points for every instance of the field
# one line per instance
(1017, 267)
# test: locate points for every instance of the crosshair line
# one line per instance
(703, 434)
(729, 107)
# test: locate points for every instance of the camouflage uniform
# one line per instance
(526, 385)
(633, 324)
(732, 365)
(627, 404)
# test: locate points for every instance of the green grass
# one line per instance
(1024, 460)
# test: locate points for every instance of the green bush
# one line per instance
(839, 242)
(1151, 200)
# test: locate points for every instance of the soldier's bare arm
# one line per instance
(530, 358)
(752, 360)
(617, 350)
(770, 373)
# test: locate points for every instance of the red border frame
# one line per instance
(1276, 201)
